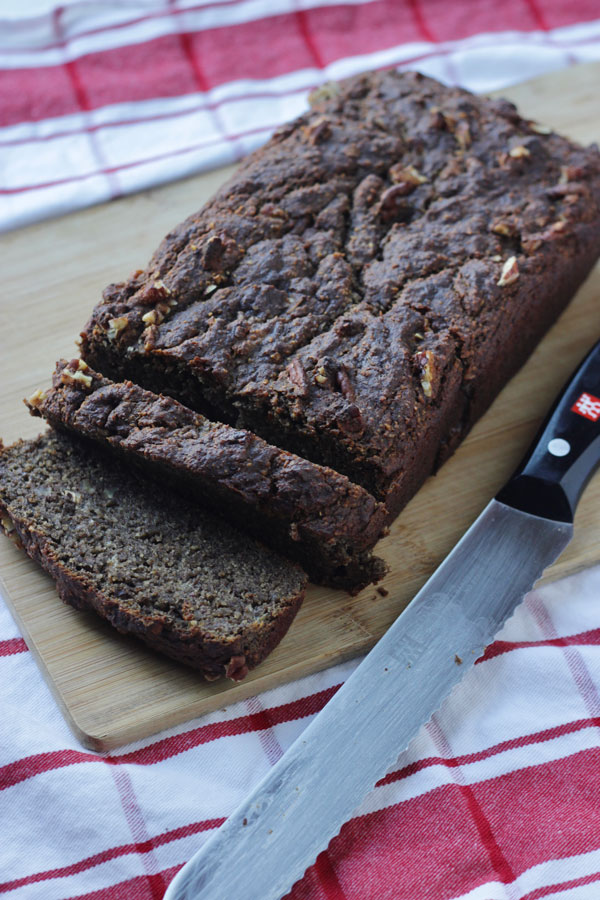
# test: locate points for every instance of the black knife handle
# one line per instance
(566, 451)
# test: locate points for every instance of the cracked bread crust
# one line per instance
(308, 512)
(367, 282)
(153, 566)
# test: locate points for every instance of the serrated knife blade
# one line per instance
(266, 845)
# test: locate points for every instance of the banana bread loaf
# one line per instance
(308, 512)
(367, 282)
(154, 566)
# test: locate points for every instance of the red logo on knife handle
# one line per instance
(587, 406)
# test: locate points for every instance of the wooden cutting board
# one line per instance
(112, 690)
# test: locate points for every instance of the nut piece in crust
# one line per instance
(8, 527)
(510, 272)
(501, 226)
(237, 668)
(115, 326)
(74, 373)
(462, 134)
(425, 359)
(297, 375)
(318, 130)
(323, 93)
(407, 175)
(152, 318)
(538, 127)
(7, 524)
(321, 376)
(37, 398)
(519, 152)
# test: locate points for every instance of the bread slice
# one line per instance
(306, 511)
(368, 281)
(149, 563)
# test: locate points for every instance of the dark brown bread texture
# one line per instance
(368, 281)
(308, 512)
(155, 567)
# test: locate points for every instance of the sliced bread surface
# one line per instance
(154, 566)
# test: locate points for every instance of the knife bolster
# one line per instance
(537, 497)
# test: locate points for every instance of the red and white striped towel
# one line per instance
(102, 99)
(498, 798)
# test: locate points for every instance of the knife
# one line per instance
(266, 845)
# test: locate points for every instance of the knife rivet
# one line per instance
(559, 447)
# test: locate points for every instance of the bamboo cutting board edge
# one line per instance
(111, 690)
